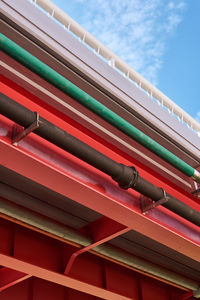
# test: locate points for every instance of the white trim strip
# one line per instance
(117, 63)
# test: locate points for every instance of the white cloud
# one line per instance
(137, 31)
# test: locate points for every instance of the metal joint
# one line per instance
(195, 185)
(24, 132)
(154, 204)
(131, 175)
(196, 176)
(196, 193)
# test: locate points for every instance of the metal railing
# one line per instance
(115, 62)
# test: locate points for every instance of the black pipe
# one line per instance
(126, 177)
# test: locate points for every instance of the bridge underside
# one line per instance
(67, 230)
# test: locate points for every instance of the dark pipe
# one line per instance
(24, 117)
(155, 193)
(126, 177)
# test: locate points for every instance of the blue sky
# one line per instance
(160, 39)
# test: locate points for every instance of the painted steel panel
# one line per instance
(91, 277)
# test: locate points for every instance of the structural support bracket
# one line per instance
(195, 186)
(18, 136)
(101, 231)
(148, 206)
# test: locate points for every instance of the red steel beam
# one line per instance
(50, 255)
(49, 176)
(60, 279)
(46, 252)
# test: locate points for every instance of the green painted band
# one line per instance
(44, 71)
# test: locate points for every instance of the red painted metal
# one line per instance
(36, 255)
(79, 133)
(54, 277)
(104, 228)
(25, 89)
(96, 198)
(185, 296)
(9, 277)
(32, 253)
(25, 253)
(101, 230)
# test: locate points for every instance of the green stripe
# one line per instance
(82, 97)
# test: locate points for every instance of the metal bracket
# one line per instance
(148, 206)
(195, 186)
(196, 193)
(24, 132)
(102, 230)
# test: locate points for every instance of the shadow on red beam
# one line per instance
(101, 231)
(9, 277)
(185, 296)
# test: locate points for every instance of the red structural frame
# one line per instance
(45, 258)
(32, 260)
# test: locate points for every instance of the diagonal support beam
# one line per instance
(9, 277)
(101, 230)
(60, 279)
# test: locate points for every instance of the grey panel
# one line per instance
(155, 252)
